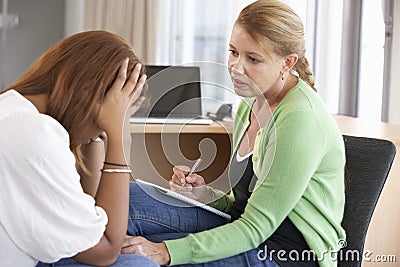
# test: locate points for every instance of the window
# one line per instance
(203, 29)
(371, 61)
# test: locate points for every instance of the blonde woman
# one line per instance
(54, 201)
(286, 171)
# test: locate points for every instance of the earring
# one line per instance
(282, 76)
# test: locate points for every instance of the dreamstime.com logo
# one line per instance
(331, 254)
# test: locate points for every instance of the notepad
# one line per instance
(167, 192)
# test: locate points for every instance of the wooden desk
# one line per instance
(157, 148)
(215, 128)
(154, 152)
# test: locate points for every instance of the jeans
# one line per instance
(158, 217)
(123, 260)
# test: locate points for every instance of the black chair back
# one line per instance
(368, 162)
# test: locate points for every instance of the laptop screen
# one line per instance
(174, 91)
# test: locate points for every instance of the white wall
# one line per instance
(394, 96)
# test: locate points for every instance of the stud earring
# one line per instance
(282, 76)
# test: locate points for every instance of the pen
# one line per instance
(192, 169)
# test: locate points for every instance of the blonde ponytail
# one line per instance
(302, 67)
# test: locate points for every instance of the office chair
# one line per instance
(368, 162)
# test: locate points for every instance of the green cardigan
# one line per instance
(299, 160)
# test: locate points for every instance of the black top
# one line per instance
(287, 238)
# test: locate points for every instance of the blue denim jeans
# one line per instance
(123, 260)
(158, 217)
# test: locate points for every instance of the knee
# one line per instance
(134, 260)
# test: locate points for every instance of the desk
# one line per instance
(148, 160)
(215, 128)
(156, 148)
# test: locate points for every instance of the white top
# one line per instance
(44, 213)
(241, 158)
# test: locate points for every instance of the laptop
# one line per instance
(175, 96)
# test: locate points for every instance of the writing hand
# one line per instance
(195, 187)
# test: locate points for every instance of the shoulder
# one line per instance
(24, 125)
(32, 129)
(302, 100)
(36, 142)
(303, 105)
(46, 126)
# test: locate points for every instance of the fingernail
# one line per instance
(139, 66)
(127, 60)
